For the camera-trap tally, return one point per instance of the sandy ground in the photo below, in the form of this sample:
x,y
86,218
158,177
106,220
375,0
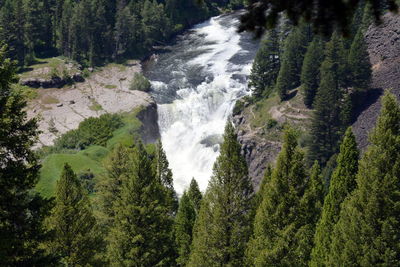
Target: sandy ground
x,y
105,91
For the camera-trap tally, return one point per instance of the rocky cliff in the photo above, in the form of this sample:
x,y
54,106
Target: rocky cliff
x,y
260,149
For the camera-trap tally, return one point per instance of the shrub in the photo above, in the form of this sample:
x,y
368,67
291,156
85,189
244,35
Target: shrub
x,y
140,83
91,131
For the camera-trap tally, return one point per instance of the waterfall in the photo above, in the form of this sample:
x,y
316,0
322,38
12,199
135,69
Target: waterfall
x,y
196,85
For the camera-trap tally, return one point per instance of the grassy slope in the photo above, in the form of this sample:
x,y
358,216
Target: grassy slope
x,y
89,158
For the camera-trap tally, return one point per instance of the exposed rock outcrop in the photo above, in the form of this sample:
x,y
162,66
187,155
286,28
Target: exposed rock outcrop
x,y
149,118
54,82
384,52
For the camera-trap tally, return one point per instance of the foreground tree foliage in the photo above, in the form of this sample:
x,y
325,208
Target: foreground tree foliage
x,y
223,225
283,219
74,236
341,185
21,210
141,233
324,16
367,233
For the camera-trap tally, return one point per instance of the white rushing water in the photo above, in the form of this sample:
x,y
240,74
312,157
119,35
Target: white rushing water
x,y
207,80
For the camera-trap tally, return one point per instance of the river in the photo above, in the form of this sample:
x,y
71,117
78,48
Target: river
x,y
196,83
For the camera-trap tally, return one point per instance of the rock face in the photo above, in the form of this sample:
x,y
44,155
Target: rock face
x,y
61,110
256,150
55,82
384,52
149,118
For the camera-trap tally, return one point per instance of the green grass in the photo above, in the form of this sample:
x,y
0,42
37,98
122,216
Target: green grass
x,y
47,100
126,134
53,164
110,86
89,158
52,64
27,92
95,106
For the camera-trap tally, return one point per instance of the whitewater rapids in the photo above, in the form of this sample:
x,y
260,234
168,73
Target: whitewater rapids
x,y
196,84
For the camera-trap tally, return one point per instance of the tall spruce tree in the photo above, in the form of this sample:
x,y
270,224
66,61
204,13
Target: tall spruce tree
x,y
21,210
310,72
223,225
71,223
266,65
326,126
359,63
194,194
278,219
183,228
164,175
141,234
368,232
342,184
292,60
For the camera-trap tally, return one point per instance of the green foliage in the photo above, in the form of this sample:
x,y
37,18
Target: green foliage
x,y
71,224
21,210
292,60
223,225
183,228
280,222
359,63
91,131
140,83
142,226
310,75
194,194
327,126
266,66
341,185
368,228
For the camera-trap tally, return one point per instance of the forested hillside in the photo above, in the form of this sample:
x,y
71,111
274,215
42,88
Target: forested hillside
x,y
94,31
321,202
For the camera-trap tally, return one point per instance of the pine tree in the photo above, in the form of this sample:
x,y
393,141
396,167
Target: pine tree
x,y
194,194
71,223
326,126
21,210
359,64
265,66
292,60
109,185
341,185
141,234
223,225
184,223
367,233
310,75
164,175
277,222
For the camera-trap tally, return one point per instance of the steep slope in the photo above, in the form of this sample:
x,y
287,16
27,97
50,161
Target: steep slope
x,y
259,124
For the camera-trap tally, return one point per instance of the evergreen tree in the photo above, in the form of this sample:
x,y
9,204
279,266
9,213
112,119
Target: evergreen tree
x,y
266,65
21,210
326,126
154,22
164,175
341,185
292,60
71,223
223,225
359,64
367,233
184,223
141,234
108,187
310,75
278,220
195,195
